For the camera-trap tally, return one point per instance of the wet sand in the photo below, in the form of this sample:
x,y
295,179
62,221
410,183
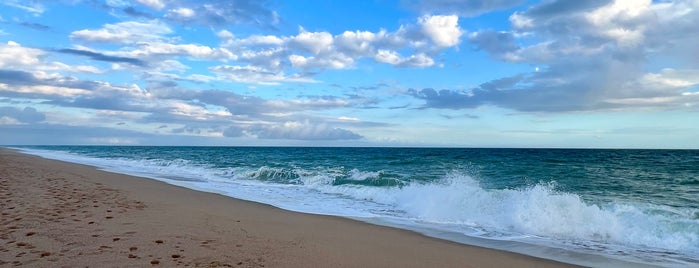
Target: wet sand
x,y
58,214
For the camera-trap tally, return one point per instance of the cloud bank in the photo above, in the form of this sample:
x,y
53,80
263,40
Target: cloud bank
x,y
590,55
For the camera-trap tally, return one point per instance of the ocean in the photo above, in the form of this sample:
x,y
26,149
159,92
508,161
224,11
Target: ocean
x,y
600,208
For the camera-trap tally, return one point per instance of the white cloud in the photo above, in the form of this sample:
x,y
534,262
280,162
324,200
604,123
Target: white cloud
x,y
59,66
417,43
128,32
30,6
392,57
255,75
154,4
388,56
61,91
14,55
347,118
6,120
622,21
357,43
156,49
335,61
444,31
182,13
313,42
225,34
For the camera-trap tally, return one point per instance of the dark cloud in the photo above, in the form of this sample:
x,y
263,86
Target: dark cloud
x,y
36,26
26,115
586,59
22,78
131,11
190,109
101,57
13,77
464,8
494,42
55,134
584,85
233,131
549,9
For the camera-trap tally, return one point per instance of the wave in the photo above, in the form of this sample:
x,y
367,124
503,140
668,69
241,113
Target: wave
x,y
457,201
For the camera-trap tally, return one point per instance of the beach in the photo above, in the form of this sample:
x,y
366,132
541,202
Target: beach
x,y
59,214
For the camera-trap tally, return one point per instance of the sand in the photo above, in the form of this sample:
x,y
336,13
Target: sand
x,y
58,214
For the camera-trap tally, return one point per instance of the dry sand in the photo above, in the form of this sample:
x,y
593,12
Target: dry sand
x,y
58,214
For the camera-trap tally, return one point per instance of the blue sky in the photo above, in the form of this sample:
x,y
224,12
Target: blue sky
x,y
502,73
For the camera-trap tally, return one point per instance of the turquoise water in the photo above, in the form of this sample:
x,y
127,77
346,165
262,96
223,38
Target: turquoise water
x,y
637,206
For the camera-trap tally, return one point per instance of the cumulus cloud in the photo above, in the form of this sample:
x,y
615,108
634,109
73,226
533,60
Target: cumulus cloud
x,y
269,59
444,31
322,50
592,55
15,55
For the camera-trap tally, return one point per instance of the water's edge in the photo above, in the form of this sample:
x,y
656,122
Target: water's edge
x,y
534,250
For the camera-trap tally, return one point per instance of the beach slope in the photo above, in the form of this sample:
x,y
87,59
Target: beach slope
x,y
57,214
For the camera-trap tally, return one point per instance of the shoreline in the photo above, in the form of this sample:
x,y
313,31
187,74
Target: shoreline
x,y
57,213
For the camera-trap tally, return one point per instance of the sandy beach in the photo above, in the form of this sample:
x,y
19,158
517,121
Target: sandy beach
x,y
58,214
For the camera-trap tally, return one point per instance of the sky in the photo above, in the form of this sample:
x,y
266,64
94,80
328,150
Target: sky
x,y
454,73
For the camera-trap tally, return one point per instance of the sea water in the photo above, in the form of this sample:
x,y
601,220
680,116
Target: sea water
x,y
590,207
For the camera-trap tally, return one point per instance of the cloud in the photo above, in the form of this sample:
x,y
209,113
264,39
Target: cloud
x,y
393,58
500,44
44,86
30,6
255,75
36,26
154,4
181,14
128,32
268,59
222,13
294,130
102,57
15,55
131,11
444,31
16,115
59,134
591,55
322,50
193,112
464,8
